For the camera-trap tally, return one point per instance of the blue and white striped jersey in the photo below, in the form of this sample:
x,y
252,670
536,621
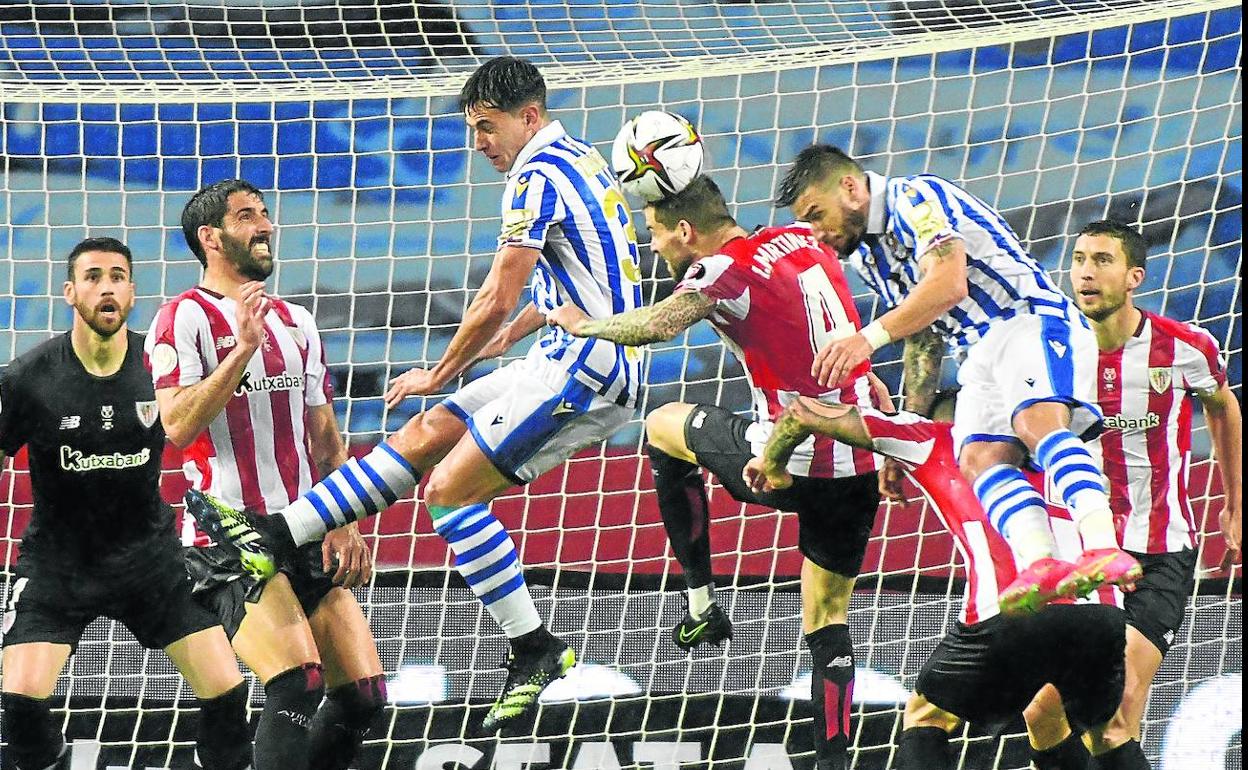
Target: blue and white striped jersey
x,y
909,215
562,198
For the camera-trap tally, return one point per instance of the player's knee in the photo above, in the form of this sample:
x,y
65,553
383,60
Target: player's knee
x,y
426,438
439,490
224,742
920,712
30,731
1046,719
665,428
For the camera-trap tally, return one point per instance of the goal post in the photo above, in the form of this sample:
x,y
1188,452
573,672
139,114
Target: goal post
x,y
1057,113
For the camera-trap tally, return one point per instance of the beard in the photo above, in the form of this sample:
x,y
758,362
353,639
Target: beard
x,y
855,227
103,324
244,259
1104,309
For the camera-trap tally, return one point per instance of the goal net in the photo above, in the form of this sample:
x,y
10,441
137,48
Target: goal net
x,y
1058,112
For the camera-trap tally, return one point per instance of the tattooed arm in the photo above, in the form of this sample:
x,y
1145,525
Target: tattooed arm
x,y
655,323
921,370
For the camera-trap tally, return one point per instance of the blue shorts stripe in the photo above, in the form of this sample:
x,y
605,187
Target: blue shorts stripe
x,y
379,483
319,504
502,591
370,506
1056,337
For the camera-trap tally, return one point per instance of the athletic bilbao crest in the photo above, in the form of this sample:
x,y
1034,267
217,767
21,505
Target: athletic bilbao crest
x,y
1159,378
148,411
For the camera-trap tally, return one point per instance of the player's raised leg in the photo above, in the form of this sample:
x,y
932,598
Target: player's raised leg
x,y
458,497
681,492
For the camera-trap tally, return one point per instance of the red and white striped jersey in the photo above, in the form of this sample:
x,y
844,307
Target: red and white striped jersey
x,y
925,450
254,454
782,296
1147,442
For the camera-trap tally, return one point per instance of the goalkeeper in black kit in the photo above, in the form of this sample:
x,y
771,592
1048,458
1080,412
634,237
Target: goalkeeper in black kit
x,y
101,541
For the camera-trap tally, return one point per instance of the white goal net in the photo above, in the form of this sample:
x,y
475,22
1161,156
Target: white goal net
x,y
1056,111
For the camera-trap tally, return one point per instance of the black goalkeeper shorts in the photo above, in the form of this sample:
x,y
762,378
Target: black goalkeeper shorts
x,y
53,603
988,673
835,516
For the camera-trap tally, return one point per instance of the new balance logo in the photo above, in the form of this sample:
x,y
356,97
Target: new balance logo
x,y
1058,348
71,422
1169,637
226,341
842,662
698,419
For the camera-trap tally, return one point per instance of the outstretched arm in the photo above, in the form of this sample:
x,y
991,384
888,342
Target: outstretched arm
x,y
942,286
490,308
654,323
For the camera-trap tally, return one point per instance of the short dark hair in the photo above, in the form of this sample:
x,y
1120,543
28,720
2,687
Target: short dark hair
x,y
817,163
208,207
701,204
110,245
505,83
1132,240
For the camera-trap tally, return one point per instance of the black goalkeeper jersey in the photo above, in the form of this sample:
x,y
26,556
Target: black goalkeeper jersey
x,y
95,456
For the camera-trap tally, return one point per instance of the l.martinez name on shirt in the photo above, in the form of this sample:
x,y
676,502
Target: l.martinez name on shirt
x,y
281,381
73,460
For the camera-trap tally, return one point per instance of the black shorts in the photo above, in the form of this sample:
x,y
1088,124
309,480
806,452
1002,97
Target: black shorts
x,y
988,673
225,591
835,516
1157,606
49,603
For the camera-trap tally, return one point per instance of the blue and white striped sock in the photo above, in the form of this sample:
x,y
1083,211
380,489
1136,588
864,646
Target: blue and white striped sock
x,y
1077,478
357,489
1017,511
486,558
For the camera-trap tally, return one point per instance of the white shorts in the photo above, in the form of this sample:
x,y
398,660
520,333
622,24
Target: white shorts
x,y
529,417
1022,361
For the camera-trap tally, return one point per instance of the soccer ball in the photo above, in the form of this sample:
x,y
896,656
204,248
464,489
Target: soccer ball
x,y
656,154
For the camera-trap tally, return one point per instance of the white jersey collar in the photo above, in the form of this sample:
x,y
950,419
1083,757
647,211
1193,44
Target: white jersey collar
x,y
546,136
877,185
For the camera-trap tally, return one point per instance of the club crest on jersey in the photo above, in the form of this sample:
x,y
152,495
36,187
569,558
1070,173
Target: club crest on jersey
x,y
1159,378
147,411
1109,375
107,413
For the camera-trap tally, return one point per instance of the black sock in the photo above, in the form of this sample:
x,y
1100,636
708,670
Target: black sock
x,y
923,748
224,739
275,533
343,720
1070,754
832,692
1128,756
33,738
686,516
536,642
290,700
